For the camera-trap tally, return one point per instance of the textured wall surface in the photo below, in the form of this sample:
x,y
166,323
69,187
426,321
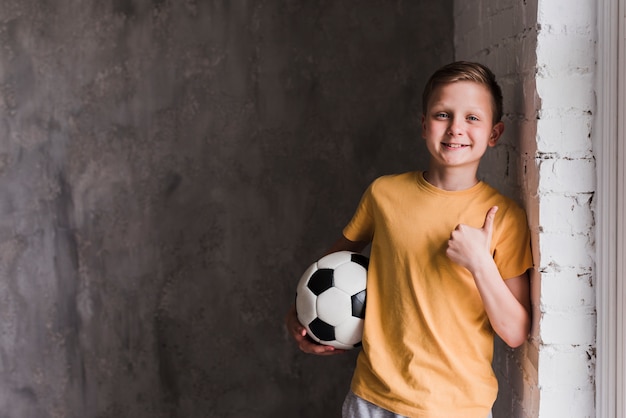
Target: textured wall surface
x,y
167,171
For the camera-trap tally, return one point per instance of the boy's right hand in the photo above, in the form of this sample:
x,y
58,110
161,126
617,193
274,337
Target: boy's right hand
x,y
305,343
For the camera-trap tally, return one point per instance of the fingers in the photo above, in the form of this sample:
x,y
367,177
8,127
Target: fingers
x,y
491,214
305,343
468,244
488,225
309,346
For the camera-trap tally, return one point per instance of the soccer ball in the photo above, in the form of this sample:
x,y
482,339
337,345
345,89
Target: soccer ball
x,y
330,299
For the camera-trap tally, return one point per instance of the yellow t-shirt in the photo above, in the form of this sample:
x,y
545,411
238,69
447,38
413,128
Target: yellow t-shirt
x,y
428,344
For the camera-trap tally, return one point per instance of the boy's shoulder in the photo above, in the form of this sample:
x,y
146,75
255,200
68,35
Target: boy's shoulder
x,y
394,181
406,177
496,192
507,207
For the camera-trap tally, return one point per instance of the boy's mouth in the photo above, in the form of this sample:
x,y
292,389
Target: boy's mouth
x,y
454,146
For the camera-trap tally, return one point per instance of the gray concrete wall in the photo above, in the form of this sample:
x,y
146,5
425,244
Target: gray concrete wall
x,y
167,171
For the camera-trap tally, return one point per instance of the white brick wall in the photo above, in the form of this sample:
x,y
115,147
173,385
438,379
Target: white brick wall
x,y
543,52
565,85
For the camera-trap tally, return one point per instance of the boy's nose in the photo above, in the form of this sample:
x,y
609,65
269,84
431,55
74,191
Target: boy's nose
x,y
455,128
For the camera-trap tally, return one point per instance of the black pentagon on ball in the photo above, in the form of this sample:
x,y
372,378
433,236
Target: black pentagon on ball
x,y
320,281
358,304
360,259
322,330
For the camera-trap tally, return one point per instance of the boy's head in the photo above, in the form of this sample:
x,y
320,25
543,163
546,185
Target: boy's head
x,y
465,71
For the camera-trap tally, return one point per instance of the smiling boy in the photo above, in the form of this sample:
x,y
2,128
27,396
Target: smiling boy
x,y
448,266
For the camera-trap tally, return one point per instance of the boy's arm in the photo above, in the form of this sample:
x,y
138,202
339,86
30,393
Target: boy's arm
x,y
520,288
296,330
507,302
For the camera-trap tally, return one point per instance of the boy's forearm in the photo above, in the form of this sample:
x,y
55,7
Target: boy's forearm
x,y
506,302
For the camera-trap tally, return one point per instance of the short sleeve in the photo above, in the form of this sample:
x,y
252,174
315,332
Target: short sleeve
x,y
361,226
512,252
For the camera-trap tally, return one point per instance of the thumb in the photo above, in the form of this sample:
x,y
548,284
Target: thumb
x,y
488,225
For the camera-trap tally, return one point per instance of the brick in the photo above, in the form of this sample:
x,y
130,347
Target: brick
x,y
567,133
567,367
567,13
578,57
566,214
579,88
567,403
574,327
568,289
563,251
566,176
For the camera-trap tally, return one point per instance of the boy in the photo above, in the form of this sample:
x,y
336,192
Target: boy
x,y
448,266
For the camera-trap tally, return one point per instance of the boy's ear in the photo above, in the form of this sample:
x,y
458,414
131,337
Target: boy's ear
x,y
496,133
423,125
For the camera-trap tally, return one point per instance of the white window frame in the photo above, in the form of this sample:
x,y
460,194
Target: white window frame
x,y
610,151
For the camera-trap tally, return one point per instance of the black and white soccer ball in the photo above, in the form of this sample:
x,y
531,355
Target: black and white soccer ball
x,y
330,299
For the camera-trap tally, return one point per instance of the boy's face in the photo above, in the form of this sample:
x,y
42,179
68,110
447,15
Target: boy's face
x,y
458,125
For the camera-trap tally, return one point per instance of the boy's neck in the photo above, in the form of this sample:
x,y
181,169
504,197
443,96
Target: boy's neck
x,y
451,181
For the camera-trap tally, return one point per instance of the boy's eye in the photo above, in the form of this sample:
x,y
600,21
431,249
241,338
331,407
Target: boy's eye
x,y
472,118
441,115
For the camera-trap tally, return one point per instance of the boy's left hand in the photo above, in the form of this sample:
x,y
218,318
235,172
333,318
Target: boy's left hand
x,y
468,246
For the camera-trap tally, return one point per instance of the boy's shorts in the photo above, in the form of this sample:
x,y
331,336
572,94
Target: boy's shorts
x,y
356,407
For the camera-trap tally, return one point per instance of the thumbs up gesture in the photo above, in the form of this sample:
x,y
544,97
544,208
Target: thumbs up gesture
x,y
468,246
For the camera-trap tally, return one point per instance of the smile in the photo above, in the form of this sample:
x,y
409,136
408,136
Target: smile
x,y
454,146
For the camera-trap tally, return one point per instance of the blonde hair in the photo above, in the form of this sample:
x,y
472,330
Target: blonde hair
x,y
465,71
